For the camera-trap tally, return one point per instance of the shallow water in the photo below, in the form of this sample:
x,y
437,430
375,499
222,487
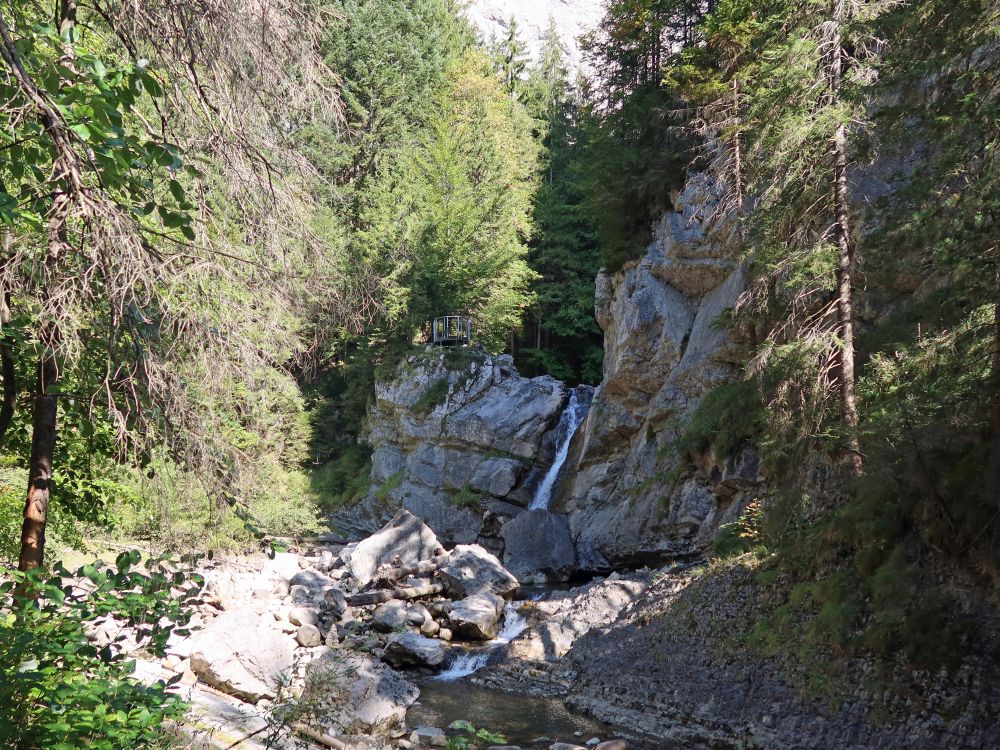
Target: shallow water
x,y
475,659
521,718
526,720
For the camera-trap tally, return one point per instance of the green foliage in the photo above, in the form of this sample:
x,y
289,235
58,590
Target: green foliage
x,y
450,223
61,692
744,535
465,498
434,396
472,737
560,335
344,480
392,482
637,149
636,157
729,417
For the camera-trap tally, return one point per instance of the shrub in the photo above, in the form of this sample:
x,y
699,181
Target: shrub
x,y
465,498
59,691
727,417
435,394
345,479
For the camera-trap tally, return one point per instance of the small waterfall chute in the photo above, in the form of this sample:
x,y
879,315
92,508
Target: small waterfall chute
x,y
468,663
569,421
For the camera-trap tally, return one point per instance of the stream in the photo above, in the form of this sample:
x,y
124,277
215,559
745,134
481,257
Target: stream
x,y
525,720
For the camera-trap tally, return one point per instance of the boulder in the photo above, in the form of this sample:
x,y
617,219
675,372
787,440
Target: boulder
x,y
497,476
281,567
413,650
304,616
470,570
237,654
312,580
429,736
561,621
335,602
477,617
405,537
538,547
308,636
391,616
355,694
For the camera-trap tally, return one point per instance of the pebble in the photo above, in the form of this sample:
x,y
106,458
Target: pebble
x,y
613,745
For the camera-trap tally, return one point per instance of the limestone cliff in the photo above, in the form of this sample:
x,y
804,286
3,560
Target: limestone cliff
x,y
457,438
663,353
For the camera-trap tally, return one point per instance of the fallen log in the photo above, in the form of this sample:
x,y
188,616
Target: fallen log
x,y
418,569
380,597
323,739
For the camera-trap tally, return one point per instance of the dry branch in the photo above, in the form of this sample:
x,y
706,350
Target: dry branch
x,y
380,597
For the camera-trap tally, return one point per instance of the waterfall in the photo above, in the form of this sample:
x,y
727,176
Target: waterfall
x,y
467,663
571,418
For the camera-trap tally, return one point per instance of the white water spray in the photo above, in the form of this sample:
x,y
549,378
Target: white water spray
x,y
513,625
570,420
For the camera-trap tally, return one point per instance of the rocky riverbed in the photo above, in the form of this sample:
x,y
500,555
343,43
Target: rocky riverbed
x,y
327,646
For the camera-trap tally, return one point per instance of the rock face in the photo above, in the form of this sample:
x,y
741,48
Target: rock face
x,y
663,353
456,436
239,655
666,665
538,547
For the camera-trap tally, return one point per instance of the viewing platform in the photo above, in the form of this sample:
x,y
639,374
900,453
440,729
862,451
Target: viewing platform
x,y
451,330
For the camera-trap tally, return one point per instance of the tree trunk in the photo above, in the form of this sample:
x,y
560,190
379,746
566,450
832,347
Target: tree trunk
x,y
43,443
43,428
7,369
845,253
995,373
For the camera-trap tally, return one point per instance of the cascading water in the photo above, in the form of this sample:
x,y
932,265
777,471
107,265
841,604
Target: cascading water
x,y
464,665
570,420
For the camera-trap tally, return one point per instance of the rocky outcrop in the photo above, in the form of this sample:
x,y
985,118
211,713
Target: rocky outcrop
x,y
404,537
457,436
663,354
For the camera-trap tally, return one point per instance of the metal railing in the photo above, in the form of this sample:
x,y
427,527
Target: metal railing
x,y
451,329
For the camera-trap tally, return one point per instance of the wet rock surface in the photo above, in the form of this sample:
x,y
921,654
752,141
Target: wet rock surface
x,y
538,547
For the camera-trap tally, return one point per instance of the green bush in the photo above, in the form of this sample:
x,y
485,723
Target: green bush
x,y
435,394
60,692
465,498
727,417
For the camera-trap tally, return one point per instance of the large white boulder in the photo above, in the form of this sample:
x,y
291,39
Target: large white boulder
x,y
240,655
355,694
405,537
477,617
470,569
